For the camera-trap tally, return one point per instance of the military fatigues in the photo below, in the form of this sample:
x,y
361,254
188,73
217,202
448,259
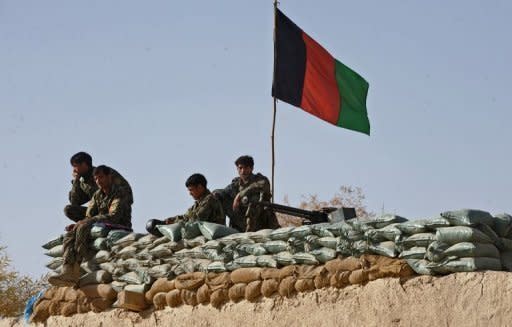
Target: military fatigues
x,y
207,208
82,191
114,207
248,217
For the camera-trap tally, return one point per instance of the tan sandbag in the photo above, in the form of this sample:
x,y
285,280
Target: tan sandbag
x,y
203,294
370,260
270,273
41,311
359,276
288,271
340,279
82,305
131,301
253,291
189,297
245,275
237,292
160,285
71,295
98,290
217,281
173,298
190,281
50,293
160,300
304,270
68,309
269,287
219,297
60,294
100,304
312,273
54,308
287,286
304,285
322,279
345,264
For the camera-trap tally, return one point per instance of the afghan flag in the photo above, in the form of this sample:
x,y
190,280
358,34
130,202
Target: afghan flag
x,y
308,77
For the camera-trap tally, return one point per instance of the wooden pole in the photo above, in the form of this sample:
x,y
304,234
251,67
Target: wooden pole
x,y
272,137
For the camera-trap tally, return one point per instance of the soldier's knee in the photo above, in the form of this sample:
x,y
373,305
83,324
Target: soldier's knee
x,y
68,210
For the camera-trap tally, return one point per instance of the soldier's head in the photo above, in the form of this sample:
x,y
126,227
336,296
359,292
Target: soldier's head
x,y
196,185
103,177
244,166
81,162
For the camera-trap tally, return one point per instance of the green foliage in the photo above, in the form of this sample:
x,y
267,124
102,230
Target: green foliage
x,y
15,290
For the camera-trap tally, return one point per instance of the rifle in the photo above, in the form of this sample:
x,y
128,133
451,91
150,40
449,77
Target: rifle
x,y
328,214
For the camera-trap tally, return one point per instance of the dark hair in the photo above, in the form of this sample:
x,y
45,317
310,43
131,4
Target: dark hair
x,y
102,169
80,157
196,179
245,161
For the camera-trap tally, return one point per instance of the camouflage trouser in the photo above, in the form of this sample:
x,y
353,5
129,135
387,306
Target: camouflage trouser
x,y
76,244
75,213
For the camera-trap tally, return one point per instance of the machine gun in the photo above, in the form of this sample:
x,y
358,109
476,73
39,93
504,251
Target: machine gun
x,y
329,214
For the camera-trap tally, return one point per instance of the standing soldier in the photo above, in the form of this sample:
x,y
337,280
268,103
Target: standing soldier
x,y
83,185
247,217
109,204
206,207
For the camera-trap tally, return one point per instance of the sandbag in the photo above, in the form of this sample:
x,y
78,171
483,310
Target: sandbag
x,y
254,249
89,266
214,231
275,246
196,241
328,242
161,285
172,231
128,239
56,251
190,281
100,304
304,285
467,249
217,281
506,260
55,263
412,227
421,239
435,251
102,256
339,279
261,236
190,229
288,271
160,300
54,242
503,224
301,231
384,248
41,311
189,297
466,265
321,230
269,287
160,271
287,286
99,290
433,224
266,261
203,294
281,233
99,231
458,234
245,275
161,251
468,217
416,252
115,235
285,258
345,264
237,292
68,309
173,298
305,258
96,277
219,297
71,295
137,288
247,261
359,276
253,291
384,220
322,279
55,307
131,278
388,233
216,266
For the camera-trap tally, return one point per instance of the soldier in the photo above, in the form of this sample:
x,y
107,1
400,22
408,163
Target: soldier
x,y
206,207
247,217
109,204
83,185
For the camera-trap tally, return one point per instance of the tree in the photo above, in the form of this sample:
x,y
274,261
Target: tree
x,y
15,290
347,196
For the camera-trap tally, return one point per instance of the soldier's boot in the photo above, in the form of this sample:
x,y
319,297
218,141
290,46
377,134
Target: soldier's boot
x,y
68,277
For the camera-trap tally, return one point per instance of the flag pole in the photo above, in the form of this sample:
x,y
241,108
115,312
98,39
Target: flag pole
x,y
275,103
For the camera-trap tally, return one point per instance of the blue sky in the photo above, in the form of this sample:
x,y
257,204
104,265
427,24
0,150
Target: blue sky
x,y
163,89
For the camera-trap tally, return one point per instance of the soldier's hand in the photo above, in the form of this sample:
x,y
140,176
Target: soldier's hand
x,y
170,220
69,228
76,176
236,202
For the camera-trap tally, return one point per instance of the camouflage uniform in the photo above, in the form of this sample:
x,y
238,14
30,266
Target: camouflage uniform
x,y
248,217
114,207
207,208
82,191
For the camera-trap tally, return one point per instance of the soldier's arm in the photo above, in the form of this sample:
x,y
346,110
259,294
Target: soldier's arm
x,y
228,191
92,209
116,210
262,185
77,196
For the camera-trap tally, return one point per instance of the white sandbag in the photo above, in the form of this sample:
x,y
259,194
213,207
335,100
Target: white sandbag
x,y
56,251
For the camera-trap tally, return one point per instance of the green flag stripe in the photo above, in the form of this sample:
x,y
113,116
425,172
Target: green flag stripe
x,y
353,91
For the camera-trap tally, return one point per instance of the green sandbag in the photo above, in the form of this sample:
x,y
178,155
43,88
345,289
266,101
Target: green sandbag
x,y
420,266
384,220
416,252
214,231
217,267
95,277
388,233
247,261
115,235
387,249
55,263
281,233
301,231
254,249
100,244
466,265
420,239
321,230
172,231
266,261
324,254
190,230
52,243
285,258
412,227
506,260
128,239
275,246
435,251
55,251
468,217
435,223
99,231
305,258
467,249
328,242
457,234
502,224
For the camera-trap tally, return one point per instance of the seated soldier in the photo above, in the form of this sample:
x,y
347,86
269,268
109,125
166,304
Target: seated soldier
x,y
83,186
205,208
247,216
109,204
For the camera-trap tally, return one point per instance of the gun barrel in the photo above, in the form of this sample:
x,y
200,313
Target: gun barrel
x,y
314,216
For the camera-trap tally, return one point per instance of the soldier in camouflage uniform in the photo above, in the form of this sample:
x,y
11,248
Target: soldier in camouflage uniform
x,y
83,186
205,208
247,217
109,204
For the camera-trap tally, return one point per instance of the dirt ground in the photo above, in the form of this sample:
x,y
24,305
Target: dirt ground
x,y
462,299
